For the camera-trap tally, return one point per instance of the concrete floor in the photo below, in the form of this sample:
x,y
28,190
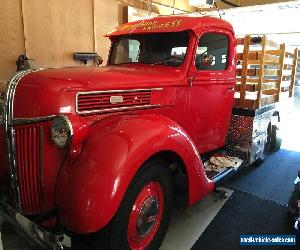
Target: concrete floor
x,y
195,219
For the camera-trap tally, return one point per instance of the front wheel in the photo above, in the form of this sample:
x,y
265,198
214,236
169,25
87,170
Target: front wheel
x,y
143,216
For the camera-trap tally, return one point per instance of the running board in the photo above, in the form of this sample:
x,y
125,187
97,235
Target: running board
x,y
220,167
221,177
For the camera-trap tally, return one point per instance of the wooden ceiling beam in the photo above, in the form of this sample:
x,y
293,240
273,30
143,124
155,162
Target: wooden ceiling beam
x,y
180,5
243,3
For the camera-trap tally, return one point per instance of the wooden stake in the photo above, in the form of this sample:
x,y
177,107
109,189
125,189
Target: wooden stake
x,y
244,71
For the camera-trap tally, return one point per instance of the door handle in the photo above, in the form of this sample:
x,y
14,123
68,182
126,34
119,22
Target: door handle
x,y
228,90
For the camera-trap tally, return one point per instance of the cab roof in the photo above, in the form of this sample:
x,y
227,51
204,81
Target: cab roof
x,y
174,23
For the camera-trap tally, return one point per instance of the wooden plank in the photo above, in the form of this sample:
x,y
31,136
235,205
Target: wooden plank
x,y
272,58
266,100
269,85
282,57
244,70
252,87
107,21
257,62
11,37
269,91
274,52
59,29
254,55
273,63
248,104
272,44
239,56
252,72
272,80
240,41
253,62
262,71
293,73
251,104
94,25
252,80
271,72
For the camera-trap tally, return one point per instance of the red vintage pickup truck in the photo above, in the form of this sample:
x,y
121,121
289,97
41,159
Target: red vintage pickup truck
x,y
103,154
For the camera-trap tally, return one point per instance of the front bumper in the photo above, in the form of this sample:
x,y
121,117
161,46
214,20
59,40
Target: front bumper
x,y
31,230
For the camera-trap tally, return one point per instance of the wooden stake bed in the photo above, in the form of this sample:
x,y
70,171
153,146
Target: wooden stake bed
x,y
265,72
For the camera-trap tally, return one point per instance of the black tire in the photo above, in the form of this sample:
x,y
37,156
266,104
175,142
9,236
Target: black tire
x,y
275,140
114,235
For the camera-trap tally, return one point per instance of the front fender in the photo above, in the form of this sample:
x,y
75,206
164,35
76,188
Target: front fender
x,y
90,190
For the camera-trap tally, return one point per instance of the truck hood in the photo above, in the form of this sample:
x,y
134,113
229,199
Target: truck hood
x,y
53,91
106,78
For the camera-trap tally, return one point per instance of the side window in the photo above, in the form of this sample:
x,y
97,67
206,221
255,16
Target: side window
x,y
212,52
127,51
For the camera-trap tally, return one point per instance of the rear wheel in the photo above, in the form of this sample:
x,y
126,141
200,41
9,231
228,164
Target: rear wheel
x,y
143,216
275,140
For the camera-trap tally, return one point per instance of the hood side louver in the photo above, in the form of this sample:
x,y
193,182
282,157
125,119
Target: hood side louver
x,y
113,101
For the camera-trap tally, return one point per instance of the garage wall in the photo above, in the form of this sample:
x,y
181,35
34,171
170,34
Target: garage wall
x,y
54,29
11,36
49,31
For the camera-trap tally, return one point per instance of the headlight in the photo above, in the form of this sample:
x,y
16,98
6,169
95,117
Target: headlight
x,y
61,131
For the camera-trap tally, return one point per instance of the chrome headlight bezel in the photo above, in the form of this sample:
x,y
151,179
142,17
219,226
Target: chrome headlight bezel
x,y
61,131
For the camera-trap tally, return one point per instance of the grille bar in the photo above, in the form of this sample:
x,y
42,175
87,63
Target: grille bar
x,y
28,162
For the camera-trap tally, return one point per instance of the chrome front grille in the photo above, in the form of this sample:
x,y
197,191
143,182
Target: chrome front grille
x,y
28,145
24,143
10,136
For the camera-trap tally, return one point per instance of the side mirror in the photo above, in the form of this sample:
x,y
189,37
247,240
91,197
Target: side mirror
x,y
86,56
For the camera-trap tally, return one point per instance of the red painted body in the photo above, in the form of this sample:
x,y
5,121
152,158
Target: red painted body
x,y
88,180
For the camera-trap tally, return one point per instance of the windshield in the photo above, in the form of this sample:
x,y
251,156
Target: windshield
x,y
155,48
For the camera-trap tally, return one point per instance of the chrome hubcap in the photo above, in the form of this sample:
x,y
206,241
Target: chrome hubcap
x,y
147,216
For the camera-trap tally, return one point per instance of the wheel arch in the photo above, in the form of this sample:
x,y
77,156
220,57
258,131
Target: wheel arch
x,y
91,190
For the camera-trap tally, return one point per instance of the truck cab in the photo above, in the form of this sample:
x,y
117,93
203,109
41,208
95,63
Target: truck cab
x,y
105,153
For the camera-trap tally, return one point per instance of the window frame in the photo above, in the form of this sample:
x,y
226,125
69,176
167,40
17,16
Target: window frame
x,y
134,36
229,52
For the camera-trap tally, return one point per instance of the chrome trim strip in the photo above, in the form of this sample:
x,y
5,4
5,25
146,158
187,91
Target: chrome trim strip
x,y
25,121
116,109
118,91
10,133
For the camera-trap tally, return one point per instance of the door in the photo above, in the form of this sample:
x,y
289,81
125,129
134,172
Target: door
x,y
211,93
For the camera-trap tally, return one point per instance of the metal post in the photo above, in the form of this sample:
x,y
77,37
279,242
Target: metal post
x,y
174,7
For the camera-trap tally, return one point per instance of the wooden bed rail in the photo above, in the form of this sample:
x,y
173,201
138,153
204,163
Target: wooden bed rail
x,y
265,72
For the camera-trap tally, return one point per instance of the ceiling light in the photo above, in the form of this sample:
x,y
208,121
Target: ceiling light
x,y
201,3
